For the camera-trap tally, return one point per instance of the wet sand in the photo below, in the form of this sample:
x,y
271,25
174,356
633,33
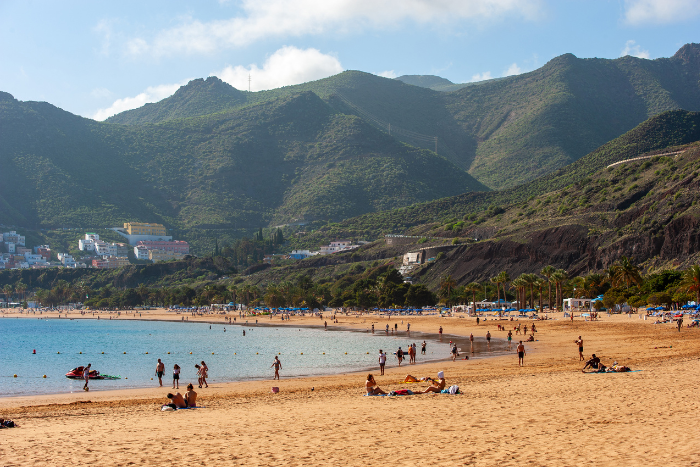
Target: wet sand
x,y
545,413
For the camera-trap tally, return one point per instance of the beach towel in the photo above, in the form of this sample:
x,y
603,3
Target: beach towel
x,y
454,389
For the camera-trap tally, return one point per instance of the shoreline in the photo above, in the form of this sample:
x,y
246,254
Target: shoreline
x,y
544,413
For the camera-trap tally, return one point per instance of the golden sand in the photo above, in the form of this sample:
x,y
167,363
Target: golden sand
x,y
545,413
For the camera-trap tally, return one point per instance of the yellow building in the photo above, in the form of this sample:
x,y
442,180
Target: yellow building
x,y
138,228
163,255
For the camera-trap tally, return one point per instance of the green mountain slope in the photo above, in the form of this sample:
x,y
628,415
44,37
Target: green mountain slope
x,y
436,83
199,97
506,131
219,175
657,135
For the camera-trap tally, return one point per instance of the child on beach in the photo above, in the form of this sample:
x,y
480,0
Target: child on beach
x,y
176,377
205,374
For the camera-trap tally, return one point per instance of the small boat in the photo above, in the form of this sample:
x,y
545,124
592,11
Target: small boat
x,y
77,373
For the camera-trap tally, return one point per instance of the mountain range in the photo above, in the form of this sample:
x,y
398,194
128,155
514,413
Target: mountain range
x,y
211,161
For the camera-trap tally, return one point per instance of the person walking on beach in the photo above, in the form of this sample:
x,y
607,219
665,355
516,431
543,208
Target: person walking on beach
x,y
521,354
387,329
372,328
86,375
205,374
277,364
399,355
471,342
422,349
488,338
160,370
510,338
440,332
680,324
176,376
454,351
382,362
579,341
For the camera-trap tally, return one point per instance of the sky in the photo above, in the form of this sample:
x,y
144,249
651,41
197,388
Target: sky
x,y
97,59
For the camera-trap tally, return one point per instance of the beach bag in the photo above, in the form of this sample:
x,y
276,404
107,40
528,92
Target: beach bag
x,y
454,389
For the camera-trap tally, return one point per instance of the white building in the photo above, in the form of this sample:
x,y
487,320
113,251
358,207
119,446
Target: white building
x,y
33,259
141,252
336,246
10,247
88,243
13,237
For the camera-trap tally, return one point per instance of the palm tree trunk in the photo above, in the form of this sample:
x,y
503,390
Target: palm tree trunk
x,y
549,284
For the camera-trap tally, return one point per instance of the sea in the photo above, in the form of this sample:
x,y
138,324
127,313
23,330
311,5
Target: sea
x,y
130,349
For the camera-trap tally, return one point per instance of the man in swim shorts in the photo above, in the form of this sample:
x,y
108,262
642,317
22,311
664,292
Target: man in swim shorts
x,y
422,349
579,341
399,355
160,370
521,354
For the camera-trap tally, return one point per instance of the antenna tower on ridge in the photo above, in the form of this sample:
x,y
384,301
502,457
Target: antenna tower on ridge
x,y
248,82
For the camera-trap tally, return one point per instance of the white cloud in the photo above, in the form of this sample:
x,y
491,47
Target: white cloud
x,y
633,49
284,18
514,69
104,28
660,11
387,74
288,65
151,94
482,76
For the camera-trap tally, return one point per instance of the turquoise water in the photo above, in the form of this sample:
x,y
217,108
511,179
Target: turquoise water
x,y
235,357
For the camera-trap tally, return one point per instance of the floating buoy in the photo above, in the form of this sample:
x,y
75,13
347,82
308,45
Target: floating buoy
x,y
151,379
124,353
146,353
190,353
58,352
168,353
256,353
15,376
233,353
302,353
346,353
103,353
126,377
367,353
212,353
44,376
324,353
80,353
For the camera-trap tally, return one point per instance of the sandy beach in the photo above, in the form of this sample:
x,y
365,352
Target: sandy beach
x,y
545,413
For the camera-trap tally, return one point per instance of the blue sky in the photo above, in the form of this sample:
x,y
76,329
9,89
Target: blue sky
x,y
99,58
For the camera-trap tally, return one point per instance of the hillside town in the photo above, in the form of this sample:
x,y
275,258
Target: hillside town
x,y
144,241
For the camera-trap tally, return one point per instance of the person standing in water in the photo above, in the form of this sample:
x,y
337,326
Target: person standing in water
x,y
277,364
382,361
86,375
471,342
422,349
160,370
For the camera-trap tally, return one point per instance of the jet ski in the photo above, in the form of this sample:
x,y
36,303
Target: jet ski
x,y
77,373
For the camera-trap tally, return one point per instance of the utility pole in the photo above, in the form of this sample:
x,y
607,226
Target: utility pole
x,y
390,129
248,82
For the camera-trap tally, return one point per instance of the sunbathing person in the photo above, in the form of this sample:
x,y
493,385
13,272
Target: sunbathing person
x,y
413,379
176,401
372,388
438,385
191,396
593,362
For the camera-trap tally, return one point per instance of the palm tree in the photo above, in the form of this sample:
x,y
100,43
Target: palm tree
x,y
539,284
559,277
627,272
691,281
20,287
446,287
547,272
473,288
505,278
8,289
530,280
518,284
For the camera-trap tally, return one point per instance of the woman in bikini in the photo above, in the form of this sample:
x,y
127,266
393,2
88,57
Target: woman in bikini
x,y
372,388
